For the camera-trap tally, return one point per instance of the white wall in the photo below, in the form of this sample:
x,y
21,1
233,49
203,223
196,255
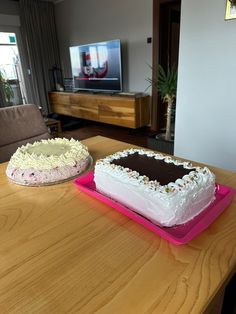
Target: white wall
x,y
87,21
9,13
206,97
8,20
9,7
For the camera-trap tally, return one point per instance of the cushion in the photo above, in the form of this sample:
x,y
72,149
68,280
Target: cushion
x,y
20,125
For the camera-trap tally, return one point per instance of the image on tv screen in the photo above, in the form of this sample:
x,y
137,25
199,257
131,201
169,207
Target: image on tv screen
x,y
97,66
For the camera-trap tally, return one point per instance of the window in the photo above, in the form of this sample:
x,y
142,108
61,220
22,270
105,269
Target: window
x,y
11,71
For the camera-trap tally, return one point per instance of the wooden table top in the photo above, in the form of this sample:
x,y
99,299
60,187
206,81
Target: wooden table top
x,y
61,251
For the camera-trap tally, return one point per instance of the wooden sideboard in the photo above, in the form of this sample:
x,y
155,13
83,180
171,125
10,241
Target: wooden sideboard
x,y
129,111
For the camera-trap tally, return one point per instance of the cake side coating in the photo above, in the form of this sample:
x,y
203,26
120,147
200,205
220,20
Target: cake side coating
x,y
169,204
47,161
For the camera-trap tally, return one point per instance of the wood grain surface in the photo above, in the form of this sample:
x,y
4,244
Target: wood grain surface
x,y
61,251
127,111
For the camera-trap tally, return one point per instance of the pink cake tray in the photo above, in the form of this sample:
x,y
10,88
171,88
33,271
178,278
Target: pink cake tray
x,y
177,235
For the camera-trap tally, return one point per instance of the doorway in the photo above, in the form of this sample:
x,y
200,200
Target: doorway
x,y
11,75
166,31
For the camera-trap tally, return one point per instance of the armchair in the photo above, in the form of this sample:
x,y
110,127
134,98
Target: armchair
x,y
20,125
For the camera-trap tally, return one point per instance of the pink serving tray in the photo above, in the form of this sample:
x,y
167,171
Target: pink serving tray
x,y
177,235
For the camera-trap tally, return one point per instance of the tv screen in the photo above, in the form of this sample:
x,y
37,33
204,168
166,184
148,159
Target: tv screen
x,y
97,66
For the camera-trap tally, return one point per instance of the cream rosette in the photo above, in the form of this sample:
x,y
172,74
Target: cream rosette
x,y
49,154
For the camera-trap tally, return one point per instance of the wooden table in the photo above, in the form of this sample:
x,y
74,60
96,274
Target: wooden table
x,y
61,251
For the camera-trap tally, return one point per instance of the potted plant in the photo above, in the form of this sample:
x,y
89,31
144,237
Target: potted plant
x,y
232,2
6,87
166,84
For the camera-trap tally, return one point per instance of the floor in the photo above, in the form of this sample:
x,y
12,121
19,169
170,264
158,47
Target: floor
x,y
86,129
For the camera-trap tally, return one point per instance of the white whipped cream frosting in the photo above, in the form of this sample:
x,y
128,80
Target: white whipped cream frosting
x,y
170,204
49,154
196,176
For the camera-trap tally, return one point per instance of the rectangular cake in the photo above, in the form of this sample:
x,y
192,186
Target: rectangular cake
x,y
165,190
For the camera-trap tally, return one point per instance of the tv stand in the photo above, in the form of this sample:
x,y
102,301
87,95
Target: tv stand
x,y
130,110
96,92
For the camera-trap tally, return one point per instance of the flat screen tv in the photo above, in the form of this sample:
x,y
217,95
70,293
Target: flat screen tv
x,y
97,67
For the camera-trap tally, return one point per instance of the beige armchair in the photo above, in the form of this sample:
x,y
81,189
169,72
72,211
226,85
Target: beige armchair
x,y
20,125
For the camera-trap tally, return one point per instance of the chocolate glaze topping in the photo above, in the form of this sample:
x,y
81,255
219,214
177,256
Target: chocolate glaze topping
x,y
153,168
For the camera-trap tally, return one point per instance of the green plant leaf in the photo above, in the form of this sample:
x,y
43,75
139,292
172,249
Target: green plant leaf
x,y
7,88
164,82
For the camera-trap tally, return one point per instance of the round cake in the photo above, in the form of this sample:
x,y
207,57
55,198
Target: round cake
x,y
48,161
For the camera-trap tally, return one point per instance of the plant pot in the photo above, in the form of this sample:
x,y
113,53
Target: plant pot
x,y
158,142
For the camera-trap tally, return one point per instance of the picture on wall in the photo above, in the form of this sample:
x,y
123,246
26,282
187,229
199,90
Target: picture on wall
x,y
230,10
